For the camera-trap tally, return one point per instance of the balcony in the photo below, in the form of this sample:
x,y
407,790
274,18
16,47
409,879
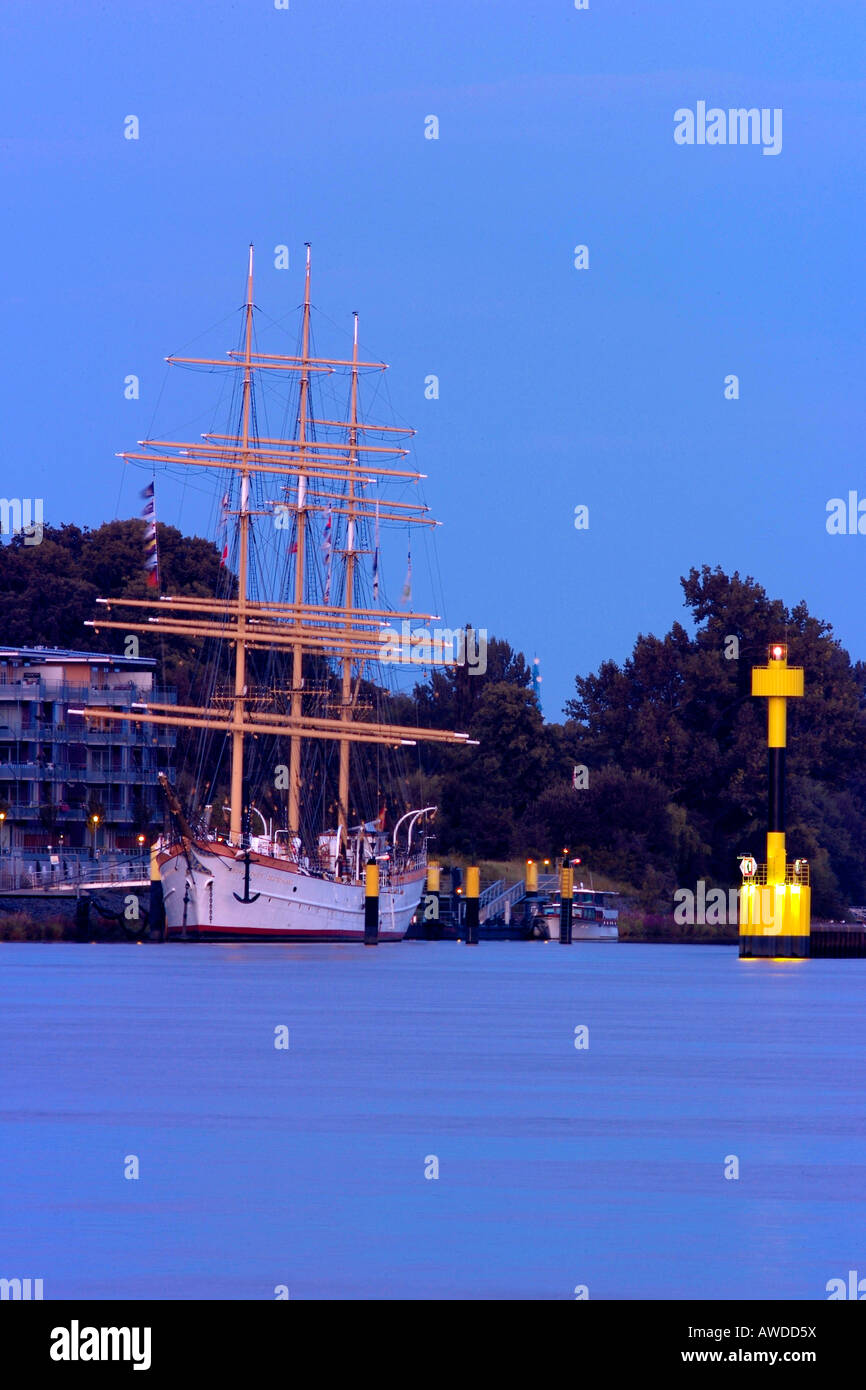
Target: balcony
x,y
137,735
63,772
112,810
84,694
122,777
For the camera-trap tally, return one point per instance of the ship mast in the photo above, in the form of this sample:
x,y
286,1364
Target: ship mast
x,y
349,599
300,537
237,766
326,475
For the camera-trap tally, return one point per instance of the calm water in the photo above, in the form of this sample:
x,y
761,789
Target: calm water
x,y
557,1166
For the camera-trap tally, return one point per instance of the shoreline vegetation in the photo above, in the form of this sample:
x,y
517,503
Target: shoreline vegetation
x,y
654,927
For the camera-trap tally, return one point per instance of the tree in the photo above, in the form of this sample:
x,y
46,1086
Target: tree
x,y
621,825
484,791
680,710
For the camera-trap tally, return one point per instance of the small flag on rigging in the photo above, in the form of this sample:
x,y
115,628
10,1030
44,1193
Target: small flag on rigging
x,y
327,549
151,554
407,586
376,558
224,522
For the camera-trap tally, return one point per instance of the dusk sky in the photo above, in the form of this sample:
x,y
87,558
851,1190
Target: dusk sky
x,y
558,387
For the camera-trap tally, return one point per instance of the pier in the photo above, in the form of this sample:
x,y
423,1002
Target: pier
x,y
106,899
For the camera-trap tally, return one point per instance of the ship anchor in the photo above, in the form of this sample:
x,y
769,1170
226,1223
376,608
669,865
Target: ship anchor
x,y
247,897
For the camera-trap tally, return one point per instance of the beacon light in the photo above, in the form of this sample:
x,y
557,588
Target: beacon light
x,y
777,682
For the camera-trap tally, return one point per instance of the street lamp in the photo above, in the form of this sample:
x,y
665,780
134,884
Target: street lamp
x,y
94,825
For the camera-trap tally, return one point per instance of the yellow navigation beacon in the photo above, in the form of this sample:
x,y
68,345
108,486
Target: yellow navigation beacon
x,y
775,899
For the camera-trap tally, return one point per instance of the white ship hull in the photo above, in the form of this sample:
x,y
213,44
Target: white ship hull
x,y
208,893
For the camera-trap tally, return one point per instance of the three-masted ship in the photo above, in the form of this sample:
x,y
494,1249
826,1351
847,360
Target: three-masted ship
x,y
313,643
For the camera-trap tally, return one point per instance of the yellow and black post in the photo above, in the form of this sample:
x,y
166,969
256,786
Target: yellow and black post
x,y
156,913
530,890
430,902
566,904
775,899
473,882
371,905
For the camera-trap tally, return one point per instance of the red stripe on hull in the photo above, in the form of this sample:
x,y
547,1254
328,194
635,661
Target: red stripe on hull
x,y
263,934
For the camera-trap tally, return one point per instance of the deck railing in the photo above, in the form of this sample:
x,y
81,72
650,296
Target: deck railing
x,y
796,873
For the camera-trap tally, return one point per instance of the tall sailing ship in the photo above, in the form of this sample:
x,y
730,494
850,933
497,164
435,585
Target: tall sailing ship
x,y
294,654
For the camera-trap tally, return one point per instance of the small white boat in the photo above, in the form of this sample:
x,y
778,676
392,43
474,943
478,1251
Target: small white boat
x,y
594,917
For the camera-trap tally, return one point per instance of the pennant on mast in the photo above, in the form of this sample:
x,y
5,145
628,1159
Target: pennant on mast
x,y
151,550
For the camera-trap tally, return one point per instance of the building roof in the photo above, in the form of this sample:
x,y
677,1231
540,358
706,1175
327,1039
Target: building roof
x,y
58,656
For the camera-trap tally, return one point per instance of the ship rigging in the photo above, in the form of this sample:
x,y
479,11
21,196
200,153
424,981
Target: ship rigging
x,y
321,639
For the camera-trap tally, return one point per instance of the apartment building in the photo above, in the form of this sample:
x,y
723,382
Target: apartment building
x,y
70,785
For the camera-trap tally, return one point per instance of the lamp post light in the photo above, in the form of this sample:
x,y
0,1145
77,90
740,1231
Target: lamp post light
x,y
94,825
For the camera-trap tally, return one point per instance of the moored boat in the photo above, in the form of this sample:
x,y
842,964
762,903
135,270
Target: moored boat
x,y
594,916
292,653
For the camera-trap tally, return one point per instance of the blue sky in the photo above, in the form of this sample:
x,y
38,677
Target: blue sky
x,y
558,387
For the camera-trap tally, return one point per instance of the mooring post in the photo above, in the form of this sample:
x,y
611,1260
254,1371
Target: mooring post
x,y
473,882
566,904
156,914
775,899
531,889
82,913
371,905
430,904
